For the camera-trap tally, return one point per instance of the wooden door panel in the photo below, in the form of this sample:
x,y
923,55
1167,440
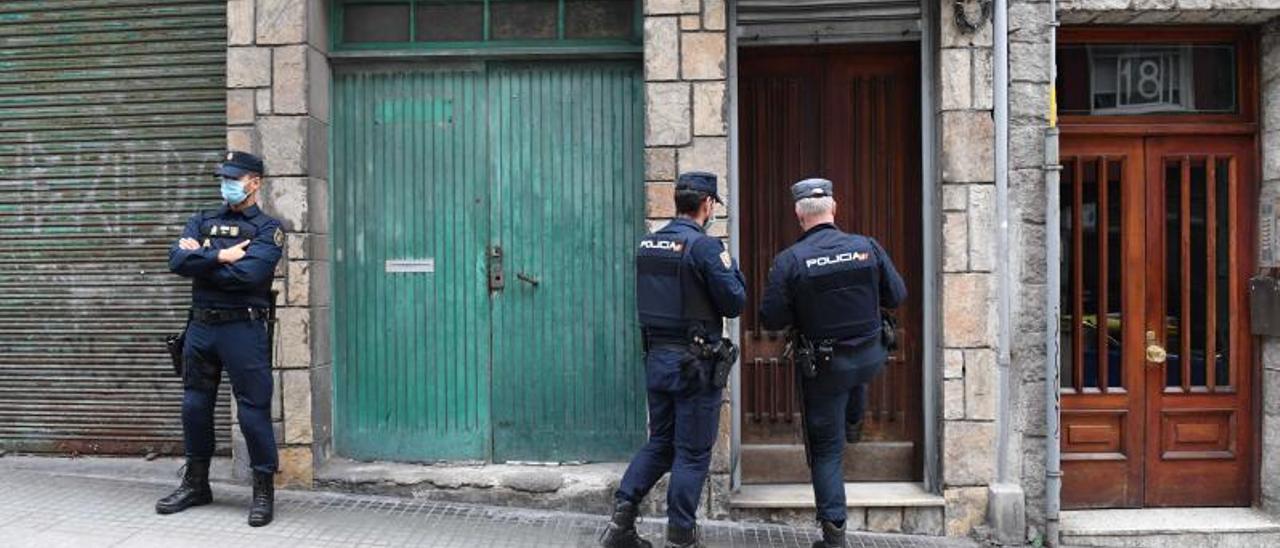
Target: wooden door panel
x,y
852,117
1102,312
1199,247
567,207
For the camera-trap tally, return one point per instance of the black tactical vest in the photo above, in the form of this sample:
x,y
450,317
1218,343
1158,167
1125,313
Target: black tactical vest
x,y
838,292
670,294
222,233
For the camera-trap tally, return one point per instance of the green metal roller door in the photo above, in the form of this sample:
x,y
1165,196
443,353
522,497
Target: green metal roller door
x,y
111,119
515,191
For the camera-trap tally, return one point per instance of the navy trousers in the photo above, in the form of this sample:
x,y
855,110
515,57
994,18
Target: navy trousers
x,y
684,417
826,408
241,348
857,404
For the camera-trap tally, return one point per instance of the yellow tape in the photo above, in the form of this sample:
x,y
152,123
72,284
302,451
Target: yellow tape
x,y
1053,106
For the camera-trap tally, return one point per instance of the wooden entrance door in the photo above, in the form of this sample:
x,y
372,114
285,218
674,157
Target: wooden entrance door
x,y
850,116
1156,356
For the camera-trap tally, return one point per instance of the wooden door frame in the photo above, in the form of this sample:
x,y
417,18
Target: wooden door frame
x,y
1242,123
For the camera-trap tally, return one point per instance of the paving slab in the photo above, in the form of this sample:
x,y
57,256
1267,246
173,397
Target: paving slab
x,y
58,507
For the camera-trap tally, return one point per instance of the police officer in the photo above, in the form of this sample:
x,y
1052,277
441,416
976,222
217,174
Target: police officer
x,y
830,287
686,283
230,255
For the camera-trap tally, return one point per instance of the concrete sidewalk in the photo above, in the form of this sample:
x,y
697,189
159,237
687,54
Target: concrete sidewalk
x,y
50,503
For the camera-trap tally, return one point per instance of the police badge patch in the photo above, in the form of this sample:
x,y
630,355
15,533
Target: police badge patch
x,y
279,237
726,259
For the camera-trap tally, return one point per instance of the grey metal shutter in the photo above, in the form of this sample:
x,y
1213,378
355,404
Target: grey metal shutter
x,y
827,21
112,115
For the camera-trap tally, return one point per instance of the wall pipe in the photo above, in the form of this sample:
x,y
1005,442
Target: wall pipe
x,y
1004,286
1053,297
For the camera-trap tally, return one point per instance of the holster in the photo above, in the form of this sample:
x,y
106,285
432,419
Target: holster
x,y
726,355
271,329
888,331
803,351
174,344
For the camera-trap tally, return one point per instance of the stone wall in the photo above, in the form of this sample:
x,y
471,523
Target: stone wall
x,y
1269,347
1030,59
278,108
967,170
1165,12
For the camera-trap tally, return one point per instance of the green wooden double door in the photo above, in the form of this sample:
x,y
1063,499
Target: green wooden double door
x,y
484,216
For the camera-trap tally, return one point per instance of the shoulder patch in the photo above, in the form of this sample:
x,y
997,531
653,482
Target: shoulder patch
x,y
726,259
279,237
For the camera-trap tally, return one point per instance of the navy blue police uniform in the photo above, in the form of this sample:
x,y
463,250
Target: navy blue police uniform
x,y
228,329
686,284
830,286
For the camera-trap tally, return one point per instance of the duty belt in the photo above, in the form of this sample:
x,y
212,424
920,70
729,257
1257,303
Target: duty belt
x,y
653,341
226,315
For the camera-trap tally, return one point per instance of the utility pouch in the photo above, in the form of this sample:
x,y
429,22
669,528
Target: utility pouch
x,y
824,353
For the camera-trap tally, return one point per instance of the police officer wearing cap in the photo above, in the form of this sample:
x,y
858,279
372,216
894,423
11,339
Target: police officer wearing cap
x,y
686,283
230,254
830,287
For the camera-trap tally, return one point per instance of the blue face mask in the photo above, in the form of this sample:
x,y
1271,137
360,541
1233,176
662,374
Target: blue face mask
x,y
233,191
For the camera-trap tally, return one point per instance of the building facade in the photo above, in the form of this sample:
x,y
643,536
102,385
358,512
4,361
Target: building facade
x,y
461,180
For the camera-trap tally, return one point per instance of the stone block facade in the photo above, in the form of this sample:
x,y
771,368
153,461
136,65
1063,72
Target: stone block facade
x,y
686,97
277,107
967,297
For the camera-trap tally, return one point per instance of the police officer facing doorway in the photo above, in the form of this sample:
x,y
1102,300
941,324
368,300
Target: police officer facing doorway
x,y
686,284
230,254
829,288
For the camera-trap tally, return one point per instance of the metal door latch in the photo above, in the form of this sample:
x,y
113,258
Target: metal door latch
x,y
527,279
496,281
1156,354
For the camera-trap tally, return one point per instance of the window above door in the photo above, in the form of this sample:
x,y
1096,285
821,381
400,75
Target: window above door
x,y
1131,80
484,27
1118,79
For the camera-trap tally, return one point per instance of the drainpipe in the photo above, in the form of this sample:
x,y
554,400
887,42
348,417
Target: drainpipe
x,y
1007,500
1053,297
1000,62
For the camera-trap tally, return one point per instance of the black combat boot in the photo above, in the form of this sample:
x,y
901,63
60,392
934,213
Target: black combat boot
x,y
682,538
621,532
194,490
853,432
832,536
264,494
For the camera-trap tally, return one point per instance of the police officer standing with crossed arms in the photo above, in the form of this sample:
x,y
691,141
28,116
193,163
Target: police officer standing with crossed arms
x,y
829,288
230,254
686,283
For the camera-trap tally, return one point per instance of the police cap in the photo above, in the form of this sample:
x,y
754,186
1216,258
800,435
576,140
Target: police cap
x,y
700,181
236,164
811,188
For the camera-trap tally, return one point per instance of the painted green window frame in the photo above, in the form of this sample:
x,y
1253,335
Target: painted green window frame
x,y
560,44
